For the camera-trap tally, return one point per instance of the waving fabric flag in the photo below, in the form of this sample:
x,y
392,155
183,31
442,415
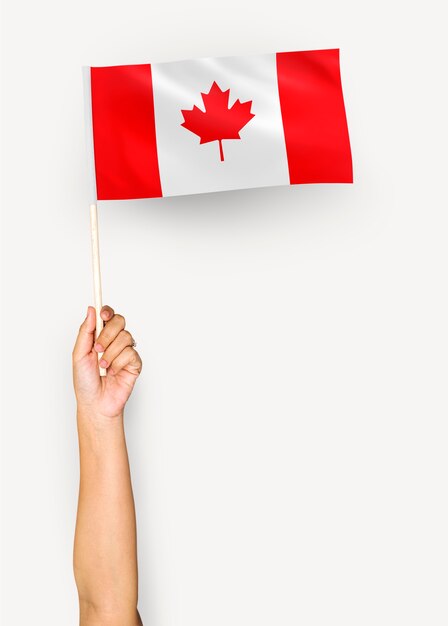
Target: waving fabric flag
x,y
167,129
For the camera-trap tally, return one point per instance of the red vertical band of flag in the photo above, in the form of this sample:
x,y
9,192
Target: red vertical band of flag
x,y
124,133
314,121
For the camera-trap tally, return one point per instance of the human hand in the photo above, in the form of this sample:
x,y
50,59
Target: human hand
x,y
104,396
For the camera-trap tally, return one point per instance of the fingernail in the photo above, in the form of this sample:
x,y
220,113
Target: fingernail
x,y
103,363
98,347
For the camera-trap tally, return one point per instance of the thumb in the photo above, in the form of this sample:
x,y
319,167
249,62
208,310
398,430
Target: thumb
x,y
84,341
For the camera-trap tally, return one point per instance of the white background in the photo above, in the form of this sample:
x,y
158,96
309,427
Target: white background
x,y
288,436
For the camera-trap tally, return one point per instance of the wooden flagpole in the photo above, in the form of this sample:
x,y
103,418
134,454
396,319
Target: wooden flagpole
x,y
96,274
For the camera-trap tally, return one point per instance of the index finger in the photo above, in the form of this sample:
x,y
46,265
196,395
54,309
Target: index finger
x,y
107,313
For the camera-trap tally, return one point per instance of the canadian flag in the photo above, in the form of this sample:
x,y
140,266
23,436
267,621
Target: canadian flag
x,y
213,124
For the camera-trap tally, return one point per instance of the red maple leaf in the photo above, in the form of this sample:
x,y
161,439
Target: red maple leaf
x,y
217,122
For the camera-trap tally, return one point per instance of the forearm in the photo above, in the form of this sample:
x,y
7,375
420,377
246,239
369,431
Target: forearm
x,y
105,556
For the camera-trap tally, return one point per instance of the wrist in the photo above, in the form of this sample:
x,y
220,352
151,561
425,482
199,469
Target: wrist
x,y
99,435
89,416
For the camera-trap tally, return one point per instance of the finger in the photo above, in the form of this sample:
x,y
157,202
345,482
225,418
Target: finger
x,y
123,339
107,313
109,333
84,341
128,359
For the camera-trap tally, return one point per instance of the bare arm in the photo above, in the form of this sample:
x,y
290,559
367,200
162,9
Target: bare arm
x,y
105,552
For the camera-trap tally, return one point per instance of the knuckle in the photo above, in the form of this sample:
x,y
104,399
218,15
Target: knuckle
x,y
137,359
126,335
120,319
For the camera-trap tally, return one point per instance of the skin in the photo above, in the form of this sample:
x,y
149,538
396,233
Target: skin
x,y
105,550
